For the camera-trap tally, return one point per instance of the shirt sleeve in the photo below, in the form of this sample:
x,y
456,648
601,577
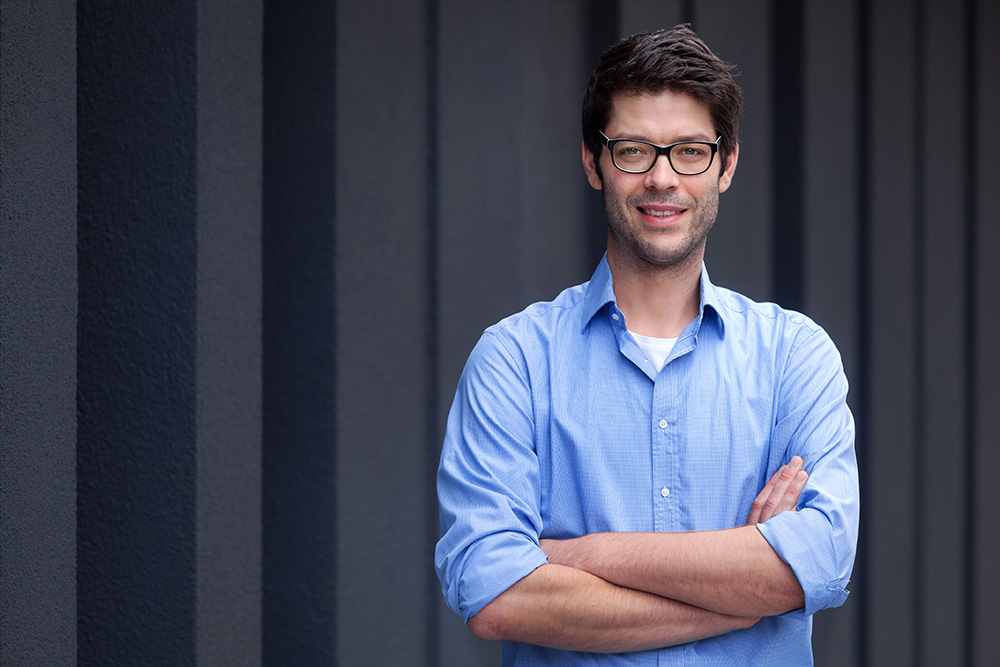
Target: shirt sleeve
x,y
813,420
488,482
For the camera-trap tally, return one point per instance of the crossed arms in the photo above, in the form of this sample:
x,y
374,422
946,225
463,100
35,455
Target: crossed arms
x,y
612,592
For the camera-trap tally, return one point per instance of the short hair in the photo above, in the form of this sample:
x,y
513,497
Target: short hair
x,y
674,60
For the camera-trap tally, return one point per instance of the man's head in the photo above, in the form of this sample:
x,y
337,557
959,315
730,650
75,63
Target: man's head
x,y
674,60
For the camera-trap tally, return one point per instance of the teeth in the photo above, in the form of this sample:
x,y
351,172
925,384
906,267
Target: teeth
x,y
660,214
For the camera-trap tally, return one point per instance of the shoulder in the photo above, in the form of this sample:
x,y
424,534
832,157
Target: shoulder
x,y
512,354
542,320
745,317
784,339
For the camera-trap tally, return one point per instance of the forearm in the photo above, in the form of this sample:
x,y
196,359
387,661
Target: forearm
x,y
731,571
570,609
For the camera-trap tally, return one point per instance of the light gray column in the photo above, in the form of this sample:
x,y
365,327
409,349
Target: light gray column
x,y
384,315
38,333
892,339
984,459
228,321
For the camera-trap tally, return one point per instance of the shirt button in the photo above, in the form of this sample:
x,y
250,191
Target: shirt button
x,y
663,423
664,492
615,317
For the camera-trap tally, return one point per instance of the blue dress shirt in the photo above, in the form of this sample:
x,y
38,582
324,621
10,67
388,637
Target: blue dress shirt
x,y
561,427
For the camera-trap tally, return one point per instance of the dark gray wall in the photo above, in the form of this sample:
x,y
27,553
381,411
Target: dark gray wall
x,y
300,443
245,249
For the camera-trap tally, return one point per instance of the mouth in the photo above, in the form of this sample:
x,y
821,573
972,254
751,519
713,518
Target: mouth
x,y
661,216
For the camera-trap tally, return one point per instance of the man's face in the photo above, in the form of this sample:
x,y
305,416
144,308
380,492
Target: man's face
x,y
659,218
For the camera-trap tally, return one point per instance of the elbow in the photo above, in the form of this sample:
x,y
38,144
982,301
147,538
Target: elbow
x,y
488,624
501,620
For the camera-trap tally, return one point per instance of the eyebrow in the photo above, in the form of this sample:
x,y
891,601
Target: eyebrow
x,y
681,139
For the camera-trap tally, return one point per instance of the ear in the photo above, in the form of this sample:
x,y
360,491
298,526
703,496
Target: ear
x,y
590,166
726,178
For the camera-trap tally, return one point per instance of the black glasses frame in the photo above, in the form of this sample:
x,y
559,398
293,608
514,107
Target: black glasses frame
x,y
662,150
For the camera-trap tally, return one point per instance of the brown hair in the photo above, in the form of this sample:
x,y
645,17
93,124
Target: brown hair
x,y
675,60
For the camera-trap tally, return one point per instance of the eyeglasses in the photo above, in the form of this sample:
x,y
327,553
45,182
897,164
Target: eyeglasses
x,y
688,158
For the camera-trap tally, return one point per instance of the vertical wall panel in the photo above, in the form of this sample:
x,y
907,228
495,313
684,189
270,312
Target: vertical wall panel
x,y
984,462
830,262
739,250
480,124
228,420
787,51
136,333
892,339
831,256
299,334
383,325
941,517
37,334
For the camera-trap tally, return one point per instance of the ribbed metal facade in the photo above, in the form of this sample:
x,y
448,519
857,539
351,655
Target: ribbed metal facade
x,y
246,247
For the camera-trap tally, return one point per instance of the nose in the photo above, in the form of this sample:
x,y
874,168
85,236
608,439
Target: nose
x,y
662,176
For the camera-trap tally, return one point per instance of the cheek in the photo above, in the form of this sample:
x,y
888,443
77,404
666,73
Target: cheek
x,y
707,191
613,195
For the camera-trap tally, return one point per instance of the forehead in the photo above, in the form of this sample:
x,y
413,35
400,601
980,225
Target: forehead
x,y
661,117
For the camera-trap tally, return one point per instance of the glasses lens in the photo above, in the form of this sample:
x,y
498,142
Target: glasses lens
x,y
633,155
691,158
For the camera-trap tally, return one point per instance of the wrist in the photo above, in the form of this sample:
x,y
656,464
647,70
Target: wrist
x,y
564,552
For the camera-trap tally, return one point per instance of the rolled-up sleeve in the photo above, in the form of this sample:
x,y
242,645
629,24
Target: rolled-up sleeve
x,y
813,420
488,482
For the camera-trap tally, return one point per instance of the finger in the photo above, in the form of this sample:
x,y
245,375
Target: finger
x,y
786,474
790,500
758,502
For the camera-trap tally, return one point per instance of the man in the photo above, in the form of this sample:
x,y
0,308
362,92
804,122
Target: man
x,y
651,469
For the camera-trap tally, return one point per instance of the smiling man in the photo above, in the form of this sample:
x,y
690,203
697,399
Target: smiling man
x,y
651,469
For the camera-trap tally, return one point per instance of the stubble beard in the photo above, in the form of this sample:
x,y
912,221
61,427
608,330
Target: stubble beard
x,y
686,243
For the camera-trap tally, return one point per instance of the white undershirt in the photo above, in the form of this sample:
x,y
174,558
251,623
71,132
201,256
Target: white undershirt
x,y
657,349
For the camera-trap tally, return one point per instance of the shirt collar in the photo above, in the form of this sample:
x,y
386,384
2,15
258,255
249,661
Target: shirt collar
x,y
600,292
710,298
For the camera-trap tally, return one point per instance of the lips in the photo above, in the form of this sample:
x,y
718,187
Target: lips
x,y
660,214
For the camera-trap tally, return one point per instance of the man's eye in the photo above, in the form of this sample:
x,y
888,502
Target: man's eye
x,y
631,151
690,154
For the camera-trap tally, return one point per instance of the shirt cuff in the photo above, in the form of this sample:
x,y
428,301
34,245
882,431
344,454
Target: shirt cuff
x,y
494,563
804,540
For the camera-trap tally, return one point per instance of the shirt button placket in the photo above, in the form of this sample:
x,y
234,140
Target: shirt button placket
x,y
663,424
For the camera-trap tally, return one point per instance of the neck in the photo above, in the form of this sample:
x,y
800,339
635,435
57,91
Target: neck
x,y
658,301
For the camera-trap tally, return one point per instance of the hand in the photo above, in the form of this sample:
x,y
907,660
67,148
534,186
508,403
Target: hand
x,y
781,493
